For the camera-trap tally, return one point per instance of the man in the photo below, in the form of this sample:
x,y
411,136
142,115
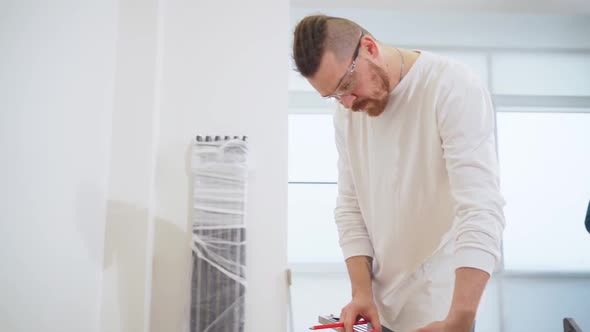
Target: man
x,y
419,209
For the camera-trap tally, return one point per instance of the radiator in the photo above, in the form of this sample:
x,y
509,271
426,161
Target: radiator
x,y
219,170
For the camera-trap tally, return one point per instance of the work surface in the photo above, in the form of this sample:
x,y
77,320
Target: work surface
x,y
569,324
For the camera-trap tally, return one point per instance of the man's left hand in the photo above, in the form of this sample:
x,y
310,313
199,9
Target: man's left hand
x,y
469,285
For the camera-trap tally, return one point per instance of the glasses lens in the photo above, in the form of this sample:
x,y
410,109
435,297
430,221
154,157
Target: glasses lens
x,y
347,85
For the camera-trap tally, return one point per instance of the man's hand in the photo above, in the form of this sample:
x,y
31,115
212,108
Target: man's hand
x,y
469,286
360,306
458,323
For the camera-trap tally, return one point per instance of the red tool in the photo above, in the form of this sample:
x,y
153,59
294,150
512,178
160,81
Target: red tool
x,y
336,325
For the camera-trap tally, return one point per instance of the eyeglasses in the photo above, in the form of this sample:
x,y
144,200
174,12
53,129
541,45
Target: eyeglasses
x,y
346,84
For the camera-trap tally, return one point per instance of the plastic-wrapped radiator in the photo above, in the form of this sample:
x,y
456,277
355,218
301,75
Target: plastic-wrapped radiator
x,y
219,170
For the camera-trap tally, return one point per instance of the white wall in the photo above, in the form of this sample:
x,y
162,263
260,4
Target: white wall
x,y
98,106
223,73
128,248
56,96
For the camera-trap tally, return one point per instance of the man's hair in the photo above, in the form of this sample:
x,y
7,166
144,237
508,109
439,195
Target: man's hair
x,y
316,34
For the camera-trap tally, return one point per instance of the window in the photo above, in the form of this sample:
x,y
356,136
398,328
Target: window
x,y
545,172
537,74
312,234
313,237
312,149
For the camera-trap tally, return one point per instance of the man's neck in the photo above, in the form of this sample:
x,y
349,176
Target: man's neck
x,y
393,61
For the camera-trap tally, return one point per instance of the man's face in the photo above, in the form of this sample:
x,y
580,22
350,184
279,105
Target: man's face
x,y
360,85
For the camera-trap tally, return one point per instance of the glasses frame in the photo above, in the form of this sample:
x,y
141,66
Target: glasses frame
x,y
348,73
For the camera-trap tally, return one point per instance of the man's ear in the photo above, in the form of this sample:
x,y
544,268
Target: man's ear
x,y
371,47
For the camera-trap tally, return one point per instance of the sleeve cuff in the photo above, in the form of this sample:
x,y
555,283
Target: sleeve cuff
x,y
475,258
357,247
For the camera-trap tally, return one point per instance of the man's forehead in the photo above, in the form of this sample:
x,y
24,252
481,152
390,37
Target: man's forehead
x,y
329,73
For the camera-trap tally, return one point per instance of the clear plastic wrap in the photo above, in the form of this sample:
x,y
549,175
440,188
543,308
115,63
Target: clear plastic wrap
x,y
219,167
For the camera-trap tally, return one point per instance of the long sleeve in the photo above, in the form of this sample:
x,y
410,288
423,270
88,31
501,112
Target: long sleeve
x,y
354,239
466,124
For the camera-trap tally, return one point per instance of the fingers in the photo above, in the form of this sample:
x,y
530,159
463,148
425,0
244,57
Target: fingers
x,y
342,317
373,318
350,315
348,318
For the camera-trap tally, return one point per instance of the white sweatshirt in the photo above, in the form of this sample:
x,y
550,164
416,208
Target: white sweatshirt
x,y
422,173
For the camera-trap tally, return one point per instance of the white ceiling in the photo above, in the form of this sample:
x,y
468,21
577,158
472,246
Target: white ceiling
x,y
575,7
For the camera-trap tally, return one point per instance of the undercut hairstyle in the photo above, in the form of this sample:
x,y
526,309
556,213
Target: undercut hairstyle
x,y
315,35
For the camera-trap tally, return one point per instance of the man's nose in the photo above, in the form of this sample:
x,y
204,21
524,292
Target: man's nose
x,y
347,101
